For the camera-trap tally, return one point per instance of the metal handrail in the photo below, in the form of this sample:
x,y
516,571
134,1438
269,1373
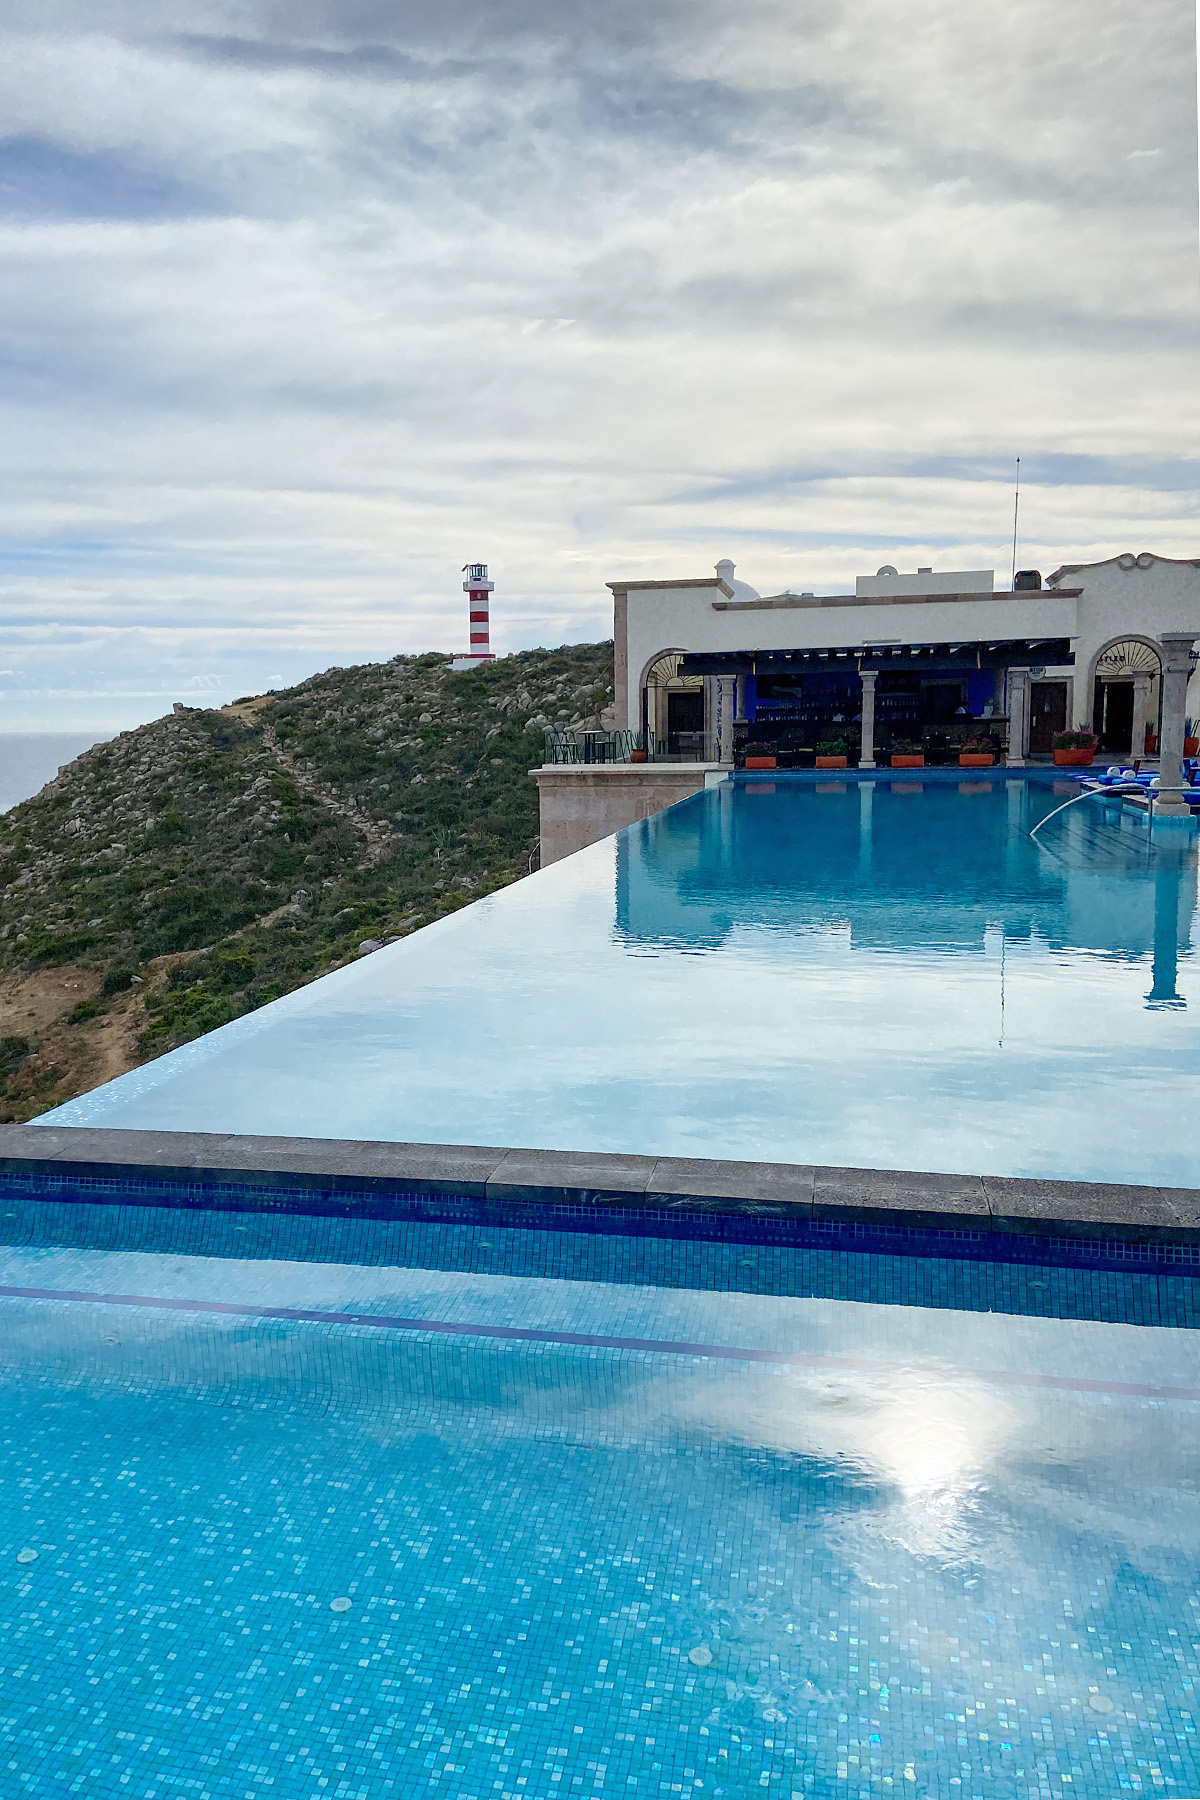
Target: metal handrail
x,y
1150,795
575,745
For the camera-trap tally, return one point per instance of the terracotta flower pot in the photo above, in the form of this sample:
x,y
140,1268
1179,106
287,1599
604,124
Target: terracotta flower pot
x,y
975,759
760,762
1075,759
1191,746
905,761
830,762
639,756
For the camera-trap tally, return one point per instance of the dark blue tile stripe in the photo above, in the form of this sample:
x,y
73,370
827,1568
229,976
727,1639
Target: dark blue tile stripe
x,y
697,1222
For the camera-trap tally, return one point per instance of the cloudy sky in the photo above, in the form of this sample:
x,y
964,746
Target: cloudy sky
x,y
306,304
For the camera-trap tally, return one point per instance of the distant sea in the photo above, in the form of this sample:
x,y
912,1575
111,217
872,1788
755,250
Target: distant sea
x,y
28,760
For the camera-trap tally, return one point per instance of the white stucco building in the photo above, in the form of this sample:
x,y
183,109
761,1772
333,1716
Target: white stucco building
x,y
1094,644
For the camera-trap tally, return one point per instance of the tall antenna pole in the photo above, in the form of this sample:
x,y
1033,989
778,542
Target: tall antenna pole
x,y
1016,512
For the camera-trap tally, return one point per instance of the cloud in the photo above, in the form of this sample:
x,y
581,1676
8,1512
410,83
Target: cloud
x,y
369,61
305,305
46,180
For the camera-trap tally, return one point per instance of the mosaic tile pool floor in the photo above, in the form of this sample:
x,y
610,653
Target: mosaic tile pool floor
x,y
720,1542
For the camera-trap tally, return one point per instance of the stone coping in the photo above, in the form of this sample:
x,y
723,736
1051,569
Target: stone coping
x,y
580,1180
883,772
662,771
647,771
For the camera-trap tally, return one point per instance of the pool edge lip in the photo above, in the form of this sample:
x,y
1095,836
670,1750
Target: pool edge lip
x,y
587,1180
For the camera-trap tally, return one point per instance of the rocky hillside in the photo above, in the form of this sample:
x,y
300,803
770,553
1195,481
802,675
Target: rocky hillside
x,y
195,868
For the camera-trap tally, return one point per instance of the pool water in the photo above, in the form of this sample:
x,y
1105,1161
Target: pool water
x,y
513,1513
892,974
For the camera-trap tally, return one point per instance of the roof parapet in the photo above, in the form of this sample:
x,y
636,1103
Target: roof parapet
x,y
697,581
1145,559
888,581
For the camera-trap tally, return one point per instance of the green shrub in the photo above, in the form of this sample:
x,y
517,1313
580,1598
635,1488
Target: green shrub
x,y
13,1052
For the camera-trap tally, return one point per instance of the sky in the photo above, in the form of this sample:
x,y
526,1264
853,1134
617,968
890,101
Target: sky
x,y
306,305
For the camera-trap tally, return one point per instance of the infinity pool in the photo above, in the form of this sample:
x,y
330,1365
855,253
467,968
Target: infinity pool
x,y
890,974
486,1513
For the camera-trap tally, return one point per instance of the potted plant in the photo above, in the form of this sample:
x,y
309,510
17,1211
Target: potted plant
x,y
1191,738
831,753
1074,749
761,756
977,753
906,755
638,752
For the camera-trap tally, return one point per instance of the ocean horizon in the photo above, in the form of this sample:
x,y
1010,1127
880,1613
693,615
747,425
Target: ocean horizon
x,y
29,759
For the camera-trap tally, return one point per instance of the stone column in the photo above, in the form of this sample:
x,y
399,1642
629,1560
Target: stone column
x,y
1176,647
1018,716
867,755
718,718
1141,693
739,717
727,692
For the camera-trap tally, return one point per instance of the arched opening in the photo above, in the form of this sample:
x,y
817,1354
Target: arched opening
x,y
1126,681
672,709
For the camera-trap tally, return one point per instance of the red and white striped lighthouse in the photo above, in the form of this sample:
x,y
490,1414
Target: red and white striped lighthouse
x,y
478,589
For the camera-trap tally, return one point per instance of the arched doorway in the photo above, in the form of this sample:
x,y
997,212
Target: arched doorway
x,y
673,708
1126,697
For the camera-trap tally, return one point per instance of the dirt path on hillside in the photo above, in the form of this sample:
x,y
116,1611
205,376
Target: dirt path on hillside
x,y
379,840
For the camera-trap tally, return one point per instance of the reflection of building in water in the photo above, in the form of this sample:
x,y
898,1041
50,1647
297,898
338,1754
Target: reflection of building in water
x,y
1174,910
1116,880
906,870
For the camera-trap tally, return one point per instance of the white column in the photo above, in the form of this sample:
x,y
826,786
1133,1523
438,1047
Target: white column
x,y
1141,693
867,757
1018,717
710,719
1176,651
719,694
739,717
727,704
